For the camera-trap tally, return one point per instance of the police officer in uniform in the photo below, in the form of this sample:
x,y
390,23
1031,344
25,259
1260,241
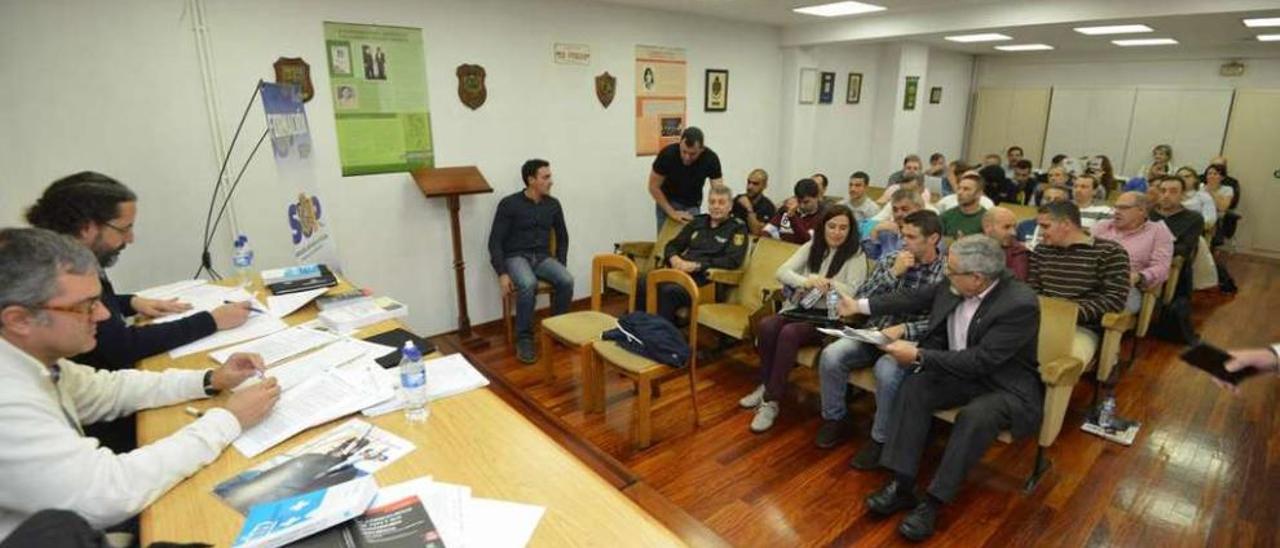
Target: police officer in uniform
x,y
711,240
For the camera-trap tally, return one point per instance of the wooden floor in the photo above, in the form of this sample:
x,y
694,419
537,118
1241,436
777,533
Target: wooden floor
x,y
1204,471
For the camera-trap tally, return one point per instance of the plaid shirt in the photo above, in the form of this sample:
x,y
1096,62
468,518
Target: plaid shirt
x,y
883,282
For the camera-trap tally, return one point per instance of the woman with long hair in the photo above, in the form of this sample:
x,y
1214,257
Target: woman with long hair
x,y
831,261
1214,185
1100,167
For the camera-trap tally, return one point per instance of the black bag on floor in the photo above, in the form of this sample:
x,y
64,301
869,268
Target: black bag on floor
x,y
1173,322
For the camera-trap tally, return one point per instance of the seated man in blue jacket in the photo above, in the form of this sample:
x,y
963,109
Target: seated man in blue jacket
x,y
714,239
979,354
100,212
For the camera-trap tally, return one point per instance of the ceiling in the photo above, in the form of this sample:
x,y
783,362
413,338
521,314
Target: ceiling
x,y
1199,26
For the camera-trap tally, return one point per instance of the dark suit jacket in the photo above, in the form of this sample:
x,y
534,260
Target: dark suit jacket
x,y
1002,340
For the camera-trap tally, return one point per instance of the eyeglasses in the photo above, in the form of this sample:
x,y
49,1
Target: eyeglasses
x,y
123,231
82,308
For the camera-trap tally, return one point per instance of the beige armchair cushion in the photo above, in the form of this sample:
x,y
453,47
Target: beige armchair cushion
x,y
731,319
577,328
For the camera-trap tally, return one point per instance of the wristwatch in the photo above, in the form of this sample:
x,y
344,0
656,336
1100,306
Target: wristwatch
x,y
209,390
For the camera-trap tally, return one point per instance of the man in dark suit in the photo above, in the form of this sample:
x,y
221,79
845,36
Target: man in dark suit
x,y
979,354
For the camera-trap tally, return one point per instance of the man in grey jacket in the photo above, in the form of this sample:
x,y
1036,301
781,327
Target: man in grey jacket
x,y
50,303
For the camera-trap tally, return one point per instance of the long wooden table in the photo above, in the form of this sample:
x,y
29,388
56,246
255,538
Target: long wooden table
x,y
473,439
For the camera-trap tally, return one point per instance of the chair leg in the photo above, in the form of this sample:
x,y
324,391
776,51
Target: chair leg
x,y
545,345
1042,465
588,374
596,385
506,320
693,394
643,414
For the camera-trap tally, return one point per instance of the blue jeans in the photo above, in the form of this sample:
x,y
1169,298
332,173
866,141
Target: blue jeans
x,y
524,275
834,365
662,215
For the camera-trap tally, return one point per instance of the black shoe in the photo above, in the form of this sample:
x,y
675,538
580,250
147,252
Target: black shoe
x,y
892,498
524,350
919,524
868,458
832,433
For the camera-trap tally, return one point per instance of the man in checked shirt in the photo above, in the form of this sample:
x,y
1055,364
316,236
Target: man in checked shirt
x,y
917,264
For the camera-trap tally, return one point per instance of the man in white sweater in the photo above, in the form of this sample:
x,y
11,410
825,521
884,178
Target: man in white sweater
x,y
49,306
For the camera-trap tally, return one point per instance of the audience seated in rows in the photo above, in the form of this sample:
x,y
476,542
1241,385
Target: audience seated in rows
x,y
1084,193
913,182
910,166
753,207
917,265
1104,175
1195,198
1186,225
1149,244
1029,229
1022,185
863,207
822,181
799,215
884,237
831,261
1142,182
1070,264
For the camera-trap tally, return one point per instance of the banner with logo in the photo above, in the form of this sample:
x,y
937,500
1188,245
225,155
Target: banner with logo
x,y
291,144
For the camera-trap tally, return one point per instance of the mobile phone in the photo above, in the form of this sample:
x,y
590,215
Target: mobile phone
x,y
1213,360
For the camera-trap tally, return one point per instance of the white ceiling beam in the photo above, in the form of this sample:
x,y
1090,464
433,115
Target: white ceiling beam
x,y
968,18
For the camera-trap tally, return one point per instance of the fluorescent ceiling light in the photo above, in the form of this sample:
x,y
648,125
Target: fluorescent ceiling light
x,y
1145,42
987,37
1113,29
1269,37
1025,47
1263,22
836,9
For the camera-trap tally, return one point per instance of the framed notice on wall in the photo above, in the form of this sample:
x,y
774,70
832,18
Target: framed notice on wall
x,y
913,88
378,79
660,97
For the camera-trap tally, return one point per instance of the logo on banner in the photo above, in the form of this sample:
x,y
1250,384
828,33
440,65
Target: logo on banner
x,y
304,217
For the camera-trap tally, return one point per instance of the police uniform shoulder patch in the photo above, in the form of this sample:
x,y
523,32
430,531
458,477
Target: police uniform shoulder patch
x,y
739,239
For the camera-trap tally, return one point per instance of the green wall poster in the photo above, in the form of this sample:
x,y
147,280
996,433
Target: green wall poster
x,y
377,76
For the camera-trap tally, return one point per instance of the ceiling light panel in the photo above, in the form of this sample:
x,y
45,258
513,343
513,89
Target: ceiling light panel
x,y
986,37
1145,42
838,9
1113,29
1262,22
1025,47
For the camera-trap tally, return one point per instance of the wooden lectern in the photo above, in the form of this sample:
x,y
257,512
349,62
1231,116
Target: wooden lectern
x,y
452,182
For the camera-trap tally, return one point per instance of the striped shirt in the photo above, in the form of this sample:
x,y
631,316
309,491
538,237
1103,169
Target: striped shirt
x,y
883,282
1094,274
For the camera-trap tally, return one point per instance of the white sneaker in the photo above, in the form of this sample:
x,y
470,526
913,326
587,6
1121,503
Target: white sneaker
x,y
765,414
752,400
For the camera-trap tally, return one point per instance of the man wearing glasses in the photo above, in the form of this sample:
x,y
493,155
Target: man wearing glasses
x,y
99,212
50,308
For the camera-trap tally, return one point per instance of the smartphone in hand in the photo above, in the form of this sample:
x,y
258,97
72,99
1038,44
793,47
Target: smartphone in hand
x,y
1213,360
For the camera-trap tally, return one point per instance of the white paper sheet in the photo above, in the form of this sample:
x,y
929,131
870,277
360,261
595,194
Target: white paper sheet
x,y
205,298
258,325
320,399
869,336
446,376
445,504
283,305
169,291
499,524
294,372
279,345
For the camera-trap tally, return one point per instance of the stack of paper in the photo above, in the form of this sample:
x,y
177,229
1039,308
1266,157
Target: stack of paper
x,y
279,345
292,373
283,305
317,400
205,298
258,325
446,376
283,521
463,521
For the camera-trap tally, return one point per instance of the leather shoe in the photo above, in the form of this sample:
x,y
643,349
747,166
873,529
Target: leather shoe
x,y
832,433
919,524
868,458
892,498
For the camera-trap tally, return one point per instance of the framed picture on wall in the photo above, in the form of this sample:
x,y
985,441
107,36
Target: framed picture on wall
x,y
853,94
909,98
935,95
828,90
716,93
808,86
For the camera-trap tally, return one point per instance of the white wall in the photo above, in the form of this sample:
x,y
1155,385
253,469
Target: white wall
x,y
115,87
943,127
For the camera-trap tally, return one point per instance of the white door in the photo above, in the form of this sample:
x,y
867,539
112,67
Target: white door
x,y
1003,117
1253,157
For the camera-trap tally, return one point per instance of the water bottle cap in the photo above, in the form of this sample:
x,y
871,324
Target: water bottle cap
x,y
411,351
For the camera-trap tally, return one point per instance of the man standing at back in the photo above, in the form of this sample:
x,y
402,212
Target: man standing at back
x,y
520,251
679,172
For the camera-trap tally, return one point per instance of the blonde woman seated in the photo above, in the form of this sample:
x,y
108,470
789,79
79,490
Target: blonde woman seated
x,y
830,261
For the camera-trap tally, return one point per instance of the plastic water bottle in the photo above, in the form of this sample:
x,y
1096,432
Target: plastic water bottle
x,y
1107,413
833,305
413,382
242,259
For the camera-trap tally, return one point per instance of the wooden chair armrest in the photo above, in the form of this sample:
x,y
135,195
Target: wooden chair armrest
x,y
725,277
1118,321
1061,372
634,249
